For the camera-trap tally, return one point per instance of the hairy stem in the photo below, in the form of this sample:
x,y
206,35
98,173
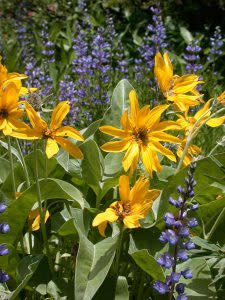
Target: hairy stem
x,y
24,164
12,167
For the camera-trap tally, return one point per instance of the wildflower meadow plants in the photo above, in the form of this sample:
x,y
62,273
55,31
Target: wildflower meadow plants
x,y
120,195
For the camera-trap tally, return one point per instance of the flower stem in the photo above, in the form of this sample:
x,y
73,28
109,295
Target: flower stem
x,y
118,252
42,214
24,164
12,166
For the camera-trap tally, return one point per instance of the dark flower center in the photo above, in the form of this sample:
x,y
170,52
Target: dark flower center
x,y
3,113
141,135
122,213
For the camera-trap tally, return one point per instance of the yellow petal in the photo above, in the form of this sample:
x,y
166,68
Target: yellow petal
x,y
70,147
162,150
203,111
10,96
124,188
113,131
166,125
67,131
134,105
131,155
215,122
35,120
163,71
102,228
109,215
125,121
147,159
51,148
59,114
117,146
154,115
165,137
131,221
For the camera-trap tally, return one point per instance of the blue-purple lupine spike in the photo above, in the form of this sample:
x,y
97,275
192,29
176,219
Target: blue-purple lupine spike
x,y
177,235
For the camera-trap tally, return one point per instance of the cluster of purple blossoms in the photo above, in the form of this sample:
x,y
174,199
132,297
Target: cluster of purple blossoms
x,y
154,41
216,43
122,63
177,235
192,57
4,228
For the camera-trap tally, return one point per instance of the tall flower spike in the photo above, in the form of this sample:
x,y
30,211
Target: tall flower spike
x,y
178,235
180,90
54,134
4,229
134,204
141,135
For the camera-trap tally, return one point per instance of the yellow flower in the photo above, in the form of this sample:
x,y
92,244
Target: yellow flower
x,y
174,87
187,122
141,136
34,219
54,134
221,98
134,205
191,153
16,78
10,111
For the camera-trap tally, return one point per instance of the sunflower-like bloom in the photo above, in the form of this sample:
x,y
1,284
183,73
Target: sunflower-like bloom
x,y
16,78
187,122
134,205
141,136
174,87
191,153
54,134
10,111
34,219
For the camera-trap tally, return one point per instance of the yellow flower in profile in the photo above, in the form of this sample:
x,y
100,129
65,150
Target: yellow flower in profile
x,y
178,89
10,111
134,205
192,152
221,98
6,77
54,134
34,219
187,122
141,136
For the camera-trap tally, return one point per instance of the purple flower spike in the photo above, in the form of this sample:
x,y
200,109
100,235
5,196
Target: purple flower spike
x,y
182,255
180,288
161,287
184,231
189,245
2,208
3,277
187,274
169,236
192,222
166,260
4,228
175,277
169,219
3,250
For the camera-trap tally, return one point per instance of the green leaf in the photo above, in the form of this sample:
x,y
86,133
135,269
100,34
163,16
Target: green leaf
x,y
106,186
92,265
91,129
119,102
198,287
18,210
148,264
14,151
113,163
5,169
26,269
92,169
204,244
186,34
122,292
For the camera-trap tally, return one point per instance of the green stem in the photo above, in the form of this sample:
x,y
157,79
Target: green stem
x,y
141,286
118,252
42,213
218,220
24,164
12,166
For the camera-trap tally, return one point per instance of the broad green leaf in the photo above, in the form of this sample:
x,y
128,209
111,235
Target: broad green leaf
x,y
26,269
91,165
92,265
14,150
18,210
205,244
113,163
148,264
198,287
119,102
106,186
122,292
91,129
63,159
5,169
